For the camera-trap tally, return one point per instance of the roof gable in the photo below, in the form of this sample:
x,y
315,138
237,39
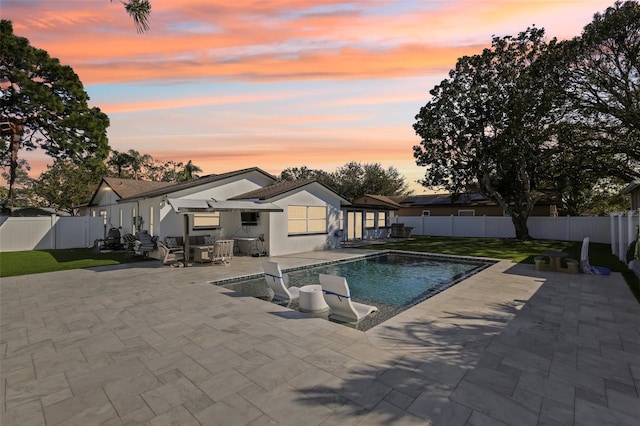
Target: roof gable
x,y
197,182
125,188
131,189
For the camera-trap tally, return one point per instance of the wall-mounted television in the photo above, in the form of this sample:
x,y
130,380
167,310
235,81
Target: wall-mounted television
x,y
249,218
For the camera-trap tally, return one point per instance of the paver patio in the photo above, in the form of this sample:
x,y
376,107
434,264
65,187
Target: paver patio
x,y
158,345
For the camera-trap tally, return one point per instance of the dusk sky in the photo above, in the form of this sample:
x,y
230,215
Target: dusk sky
x,y
275,83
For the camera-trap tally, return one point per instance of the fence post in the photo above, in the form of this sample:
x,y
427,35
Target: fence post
x,y
53,232
484,225
621,251
630,234
612,230
451,234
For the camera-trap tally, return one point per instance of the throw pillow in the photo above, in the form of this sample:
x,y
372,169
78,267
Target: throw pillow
x,y
171,242
209,240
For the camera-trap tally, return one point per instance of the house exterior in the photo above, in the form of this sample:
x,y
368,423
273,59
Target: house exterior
x,y
291,217
464,205
369,217
633,189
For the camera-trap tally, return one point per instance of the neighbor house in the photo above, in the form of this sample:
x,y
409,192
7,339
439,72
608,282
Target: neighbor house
x,y
633,189
289,216
463,205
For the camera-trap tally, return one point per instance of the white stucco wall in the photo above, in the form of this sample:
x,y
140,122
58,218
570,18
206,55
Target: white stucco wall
x,y
274,226
281,243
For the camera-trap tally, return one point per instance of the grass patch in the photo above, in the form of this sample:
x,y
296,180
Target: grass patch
x,y
516,251
14,263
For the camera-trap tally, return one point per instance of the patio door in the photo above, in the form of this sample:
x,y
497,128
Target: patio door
x,y
354,225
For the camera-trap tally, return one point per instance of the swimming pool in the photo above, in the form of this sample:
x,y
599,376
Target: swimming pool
x,y
393,281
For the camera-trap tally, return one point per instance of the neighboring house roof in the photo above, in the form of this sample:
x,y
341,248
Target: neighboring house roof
x,y
131,189
631,187
282,187
443,199
36,212
472,199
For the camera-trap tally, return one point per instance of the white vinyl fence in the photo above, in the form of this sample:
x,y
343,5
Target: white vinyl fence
x,y
624,227
618,229
54,232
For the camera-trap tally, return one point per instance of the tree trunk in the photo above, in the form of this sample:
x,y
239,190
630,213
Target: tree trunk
x,y
520,226
16,135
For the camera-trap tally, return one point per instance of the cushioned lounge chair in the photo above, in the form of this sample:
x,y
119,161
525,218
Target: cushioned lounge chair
x,y
338,297
277,282
173,256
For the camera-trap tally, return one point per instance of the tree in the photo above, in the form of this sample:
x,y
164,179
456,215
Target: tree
x,y
602,84
137,161
299,173
134,165
44,106
130,164
23,193
190,171
139,11
117,164
354,179
489,124
65,185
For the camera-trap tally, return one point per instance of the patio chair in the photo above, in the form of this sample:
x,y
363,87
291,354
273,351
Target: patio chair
x,y
585,266
221,252
136,247
337,295
173,256
278,282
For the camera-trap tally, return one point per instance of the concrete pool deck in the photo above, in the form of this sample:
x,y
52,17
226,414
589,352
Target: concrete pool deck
x,y
158,345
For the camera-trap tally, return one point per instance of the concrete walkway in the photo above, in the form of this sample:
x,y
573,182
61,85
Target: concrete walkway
x,y
158,345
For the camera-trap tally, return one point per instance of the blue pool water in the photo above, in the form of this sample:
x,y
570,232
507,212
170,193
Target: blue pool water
x,y
392,281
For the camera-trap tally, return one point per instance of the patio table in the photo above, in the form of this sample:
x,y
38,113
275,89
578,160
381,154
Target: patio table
x,y
555,259
312,299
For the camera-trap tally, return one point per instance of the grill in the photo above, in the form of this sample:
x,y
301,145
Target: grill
x,y
112,242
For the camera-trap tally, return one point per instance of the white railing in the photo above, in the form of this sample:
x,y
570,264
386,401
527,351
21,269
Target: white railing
x,y
598,229
52,232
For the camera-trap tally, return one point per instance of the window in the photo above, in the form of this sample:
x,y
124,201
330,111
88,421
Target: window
x,y
370,220
307,219
103,213
426,212
120,219
249,218
382,219
341,219
466,212
206,220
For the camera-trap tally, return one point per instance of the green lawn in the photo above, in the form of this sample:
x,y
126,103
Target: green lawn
x,y
36,261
